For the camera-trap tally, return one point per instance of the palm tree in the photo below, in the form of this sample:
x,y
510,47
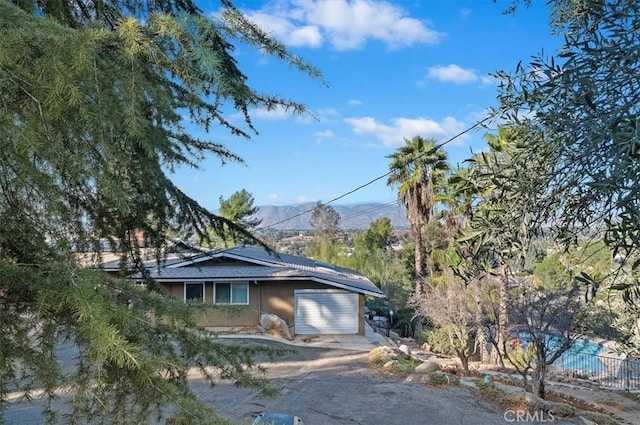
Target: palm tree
x,y
418,170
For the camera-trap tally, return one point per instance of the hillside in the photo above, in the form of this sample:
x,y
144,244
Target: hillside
x,y
354,216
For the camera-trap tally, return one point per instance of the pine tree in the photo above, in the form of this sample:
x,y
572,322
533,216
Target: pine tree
x,y
92,100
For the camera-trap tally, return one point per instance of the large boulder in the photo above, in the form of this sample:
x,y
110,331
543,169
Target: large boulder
x,y
273,323
405,350
382,355
427,367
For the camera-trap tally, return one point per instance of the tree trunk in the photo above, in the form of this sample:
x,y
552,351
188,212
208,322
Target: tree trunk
x,y
419,260
481,337
539,375
464,360
503,322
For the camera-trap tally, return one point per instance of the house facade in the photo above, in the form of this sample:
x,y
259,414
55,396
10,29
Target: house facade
x,y
242,283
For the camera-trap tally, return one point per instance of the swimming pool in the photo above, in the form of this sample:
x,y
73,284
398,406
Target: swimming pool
x,y
582,357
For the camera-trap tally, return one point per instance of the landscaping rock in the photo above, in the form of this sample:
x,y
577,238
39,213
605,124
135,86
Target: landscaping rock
x,y
275,325
405,350
427,367
382,355
390,364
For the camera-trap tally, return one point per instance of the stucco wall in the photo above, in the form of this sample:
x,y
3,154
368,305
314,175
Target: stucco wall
x,y
274,297
223,315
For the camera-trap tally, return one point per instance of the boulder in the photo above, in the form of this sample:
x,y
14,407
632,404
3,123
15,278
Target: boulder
x,y
405,350
382,355
273,323
427,367
390,364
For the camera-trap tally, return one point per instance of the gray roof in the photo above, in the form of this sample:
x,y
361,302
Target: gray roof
x,y
264,265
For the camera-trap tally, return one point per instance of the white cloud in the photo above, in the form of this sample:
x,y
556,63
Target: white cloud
x,y
284,28
452,73
322,135
344,24
488,80
354,102
275,198
303,198
393,135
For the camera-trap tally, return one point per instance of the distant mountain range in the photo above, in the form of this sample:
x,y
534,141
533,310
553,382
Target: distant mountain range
x,y
355,216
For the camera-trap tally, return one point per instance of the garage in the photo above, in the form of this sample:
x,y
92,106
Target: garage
x,y
326,311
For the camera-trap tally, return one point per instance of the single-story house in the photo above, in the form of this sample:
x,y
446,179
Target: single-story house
x,y
247,281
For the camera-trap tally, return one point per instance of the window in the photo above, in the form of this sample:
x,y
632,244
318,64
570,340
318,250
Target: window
x,y
231,293
194,291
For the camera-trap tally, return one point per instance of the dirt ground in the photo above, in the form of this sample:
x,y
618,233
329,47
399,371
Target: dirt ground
x,y
335,387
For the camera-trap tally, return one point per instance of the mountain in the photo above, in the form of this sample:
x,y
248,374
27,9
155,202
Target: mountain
x,y
354,216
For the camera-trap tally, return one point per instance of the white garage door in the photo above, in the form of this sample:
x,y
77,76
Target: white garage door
x,y
326,311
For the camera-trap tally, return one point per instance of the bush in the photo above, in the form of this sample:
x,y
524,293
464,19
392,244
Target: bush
x,y
489,391
438,340
514,401
439,379
400,366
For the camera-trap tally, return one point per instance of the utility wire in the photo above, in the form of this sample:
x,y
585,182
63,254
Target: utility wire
x,y
367,211
370,182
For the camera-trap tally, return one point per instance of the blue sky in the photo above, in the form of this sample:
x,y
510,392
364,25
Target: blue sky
x,y
394,69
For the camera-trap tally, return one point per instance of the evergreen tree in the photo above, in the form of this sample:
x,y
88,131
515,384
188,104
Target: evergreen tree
x,y
92,100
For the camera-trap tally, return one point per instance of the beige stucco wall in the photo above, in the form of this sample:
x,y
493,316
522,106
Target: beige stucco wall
x,y
275,297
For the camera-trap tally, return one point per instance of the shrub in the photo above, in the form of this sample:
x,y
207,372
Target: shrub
x,y
489,391
439,379
438,339
400,366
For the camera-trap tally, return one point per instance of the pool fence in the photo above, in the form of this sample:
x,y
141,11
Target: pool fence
x,y
611,372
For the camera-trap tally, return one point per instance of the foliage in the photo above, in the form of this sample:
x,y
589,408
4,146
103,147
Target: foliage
x,y
489,391
551,273
325,221
584,101
417,169
439,341
94,100
451,308
376,236
238,209
440,379
547,322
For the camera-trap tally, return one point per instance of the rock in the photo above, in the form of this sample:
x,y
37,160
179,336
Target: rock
x,y
405,350
382,355
390,364
427,367
273,322
425,347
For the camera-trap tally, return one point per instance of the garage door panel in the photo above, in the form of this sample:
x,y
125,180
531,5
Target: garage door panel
x,y
326,312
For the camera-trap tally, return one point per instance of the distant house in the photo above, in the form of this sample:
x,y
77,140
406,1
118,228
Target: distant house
x,y
317,298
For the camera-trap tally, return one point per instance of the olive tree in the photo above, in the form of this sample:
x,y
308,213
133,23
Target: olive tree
x,y
585,100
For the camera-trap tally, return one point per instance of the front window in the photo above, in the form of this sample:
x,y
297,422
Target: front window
x,y
231,293
194,292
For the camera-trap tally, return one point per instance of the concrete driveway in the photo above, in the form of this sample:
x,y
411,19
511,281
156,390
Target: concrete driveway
x,y
336,387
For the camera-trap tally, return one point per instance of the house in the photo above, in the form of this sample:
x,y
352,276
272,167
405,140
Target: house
x,y
246,281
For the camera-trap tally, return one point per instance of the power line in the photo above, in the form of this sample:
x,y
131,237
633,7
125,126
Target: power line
x,y
365,212
370,182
